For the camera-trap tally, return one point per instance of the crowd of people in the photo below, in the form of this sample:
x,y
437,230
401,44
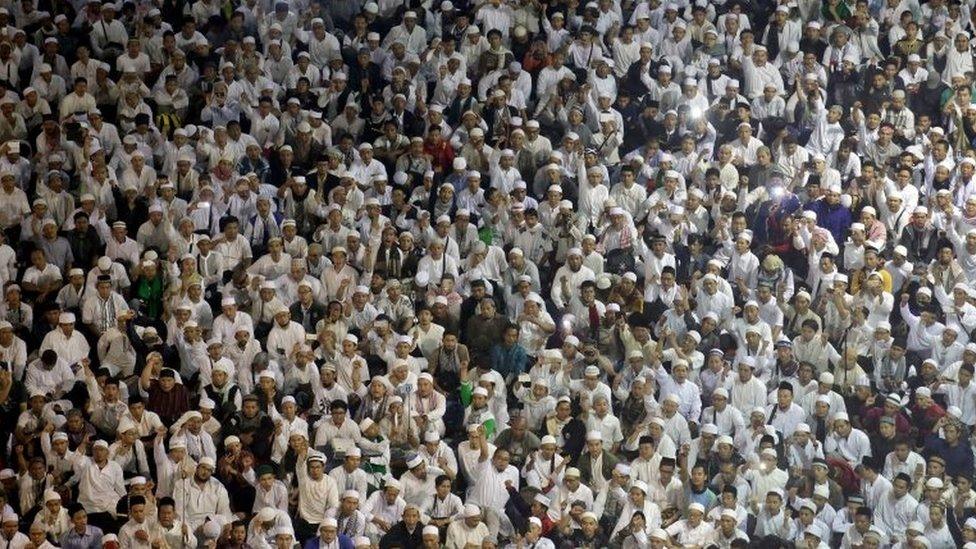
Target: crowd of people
x,y
530,274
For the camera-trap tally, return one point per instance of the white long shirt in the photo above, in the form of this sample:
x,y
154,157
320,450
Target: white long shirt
x,y
785,421
225,328
728,421
855,446
99,488
748,395
893,514
756,78
58,378
281,341
489,485
689,394
315,496
963,397
70,349
195,501
168,473
358,480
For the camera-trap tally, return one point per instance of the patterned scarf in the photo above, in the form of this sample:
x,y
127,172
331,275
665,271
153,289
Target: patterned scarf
x,y
349,525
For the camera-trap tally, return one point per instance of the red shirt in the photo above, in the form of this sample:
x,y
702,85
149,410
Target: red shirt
x,y
441,155
169,405
926,418
547,524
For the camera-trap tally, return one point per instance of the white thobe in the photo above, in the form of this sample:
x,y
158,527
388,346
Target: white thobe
x,y
195,501
99,488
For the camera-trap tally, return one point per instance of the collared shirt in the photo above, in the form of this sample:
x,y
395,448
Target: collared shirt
x,y
489,489
234,252
99,487
197,502
357,480
728,421
460,535
90,539
748,395
855,446
893,514
785,421
450,507
685,534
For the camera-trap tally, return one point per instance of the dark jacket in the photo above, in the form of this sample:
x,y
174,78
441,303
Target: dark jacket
x,y
921,244
584,465
135,215
579,540
254,432
480,333
958,458
388,268
86,247
398,536
315,313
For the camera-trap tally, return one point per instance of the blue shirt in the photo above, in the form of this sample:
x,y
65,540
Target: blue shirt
x,y
958,458
706,498
344,542
221,116
508,360
836,218
91,539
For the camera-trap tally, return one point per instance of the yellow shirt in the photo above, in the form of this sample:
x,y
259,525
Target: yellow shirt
x,y
860,277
